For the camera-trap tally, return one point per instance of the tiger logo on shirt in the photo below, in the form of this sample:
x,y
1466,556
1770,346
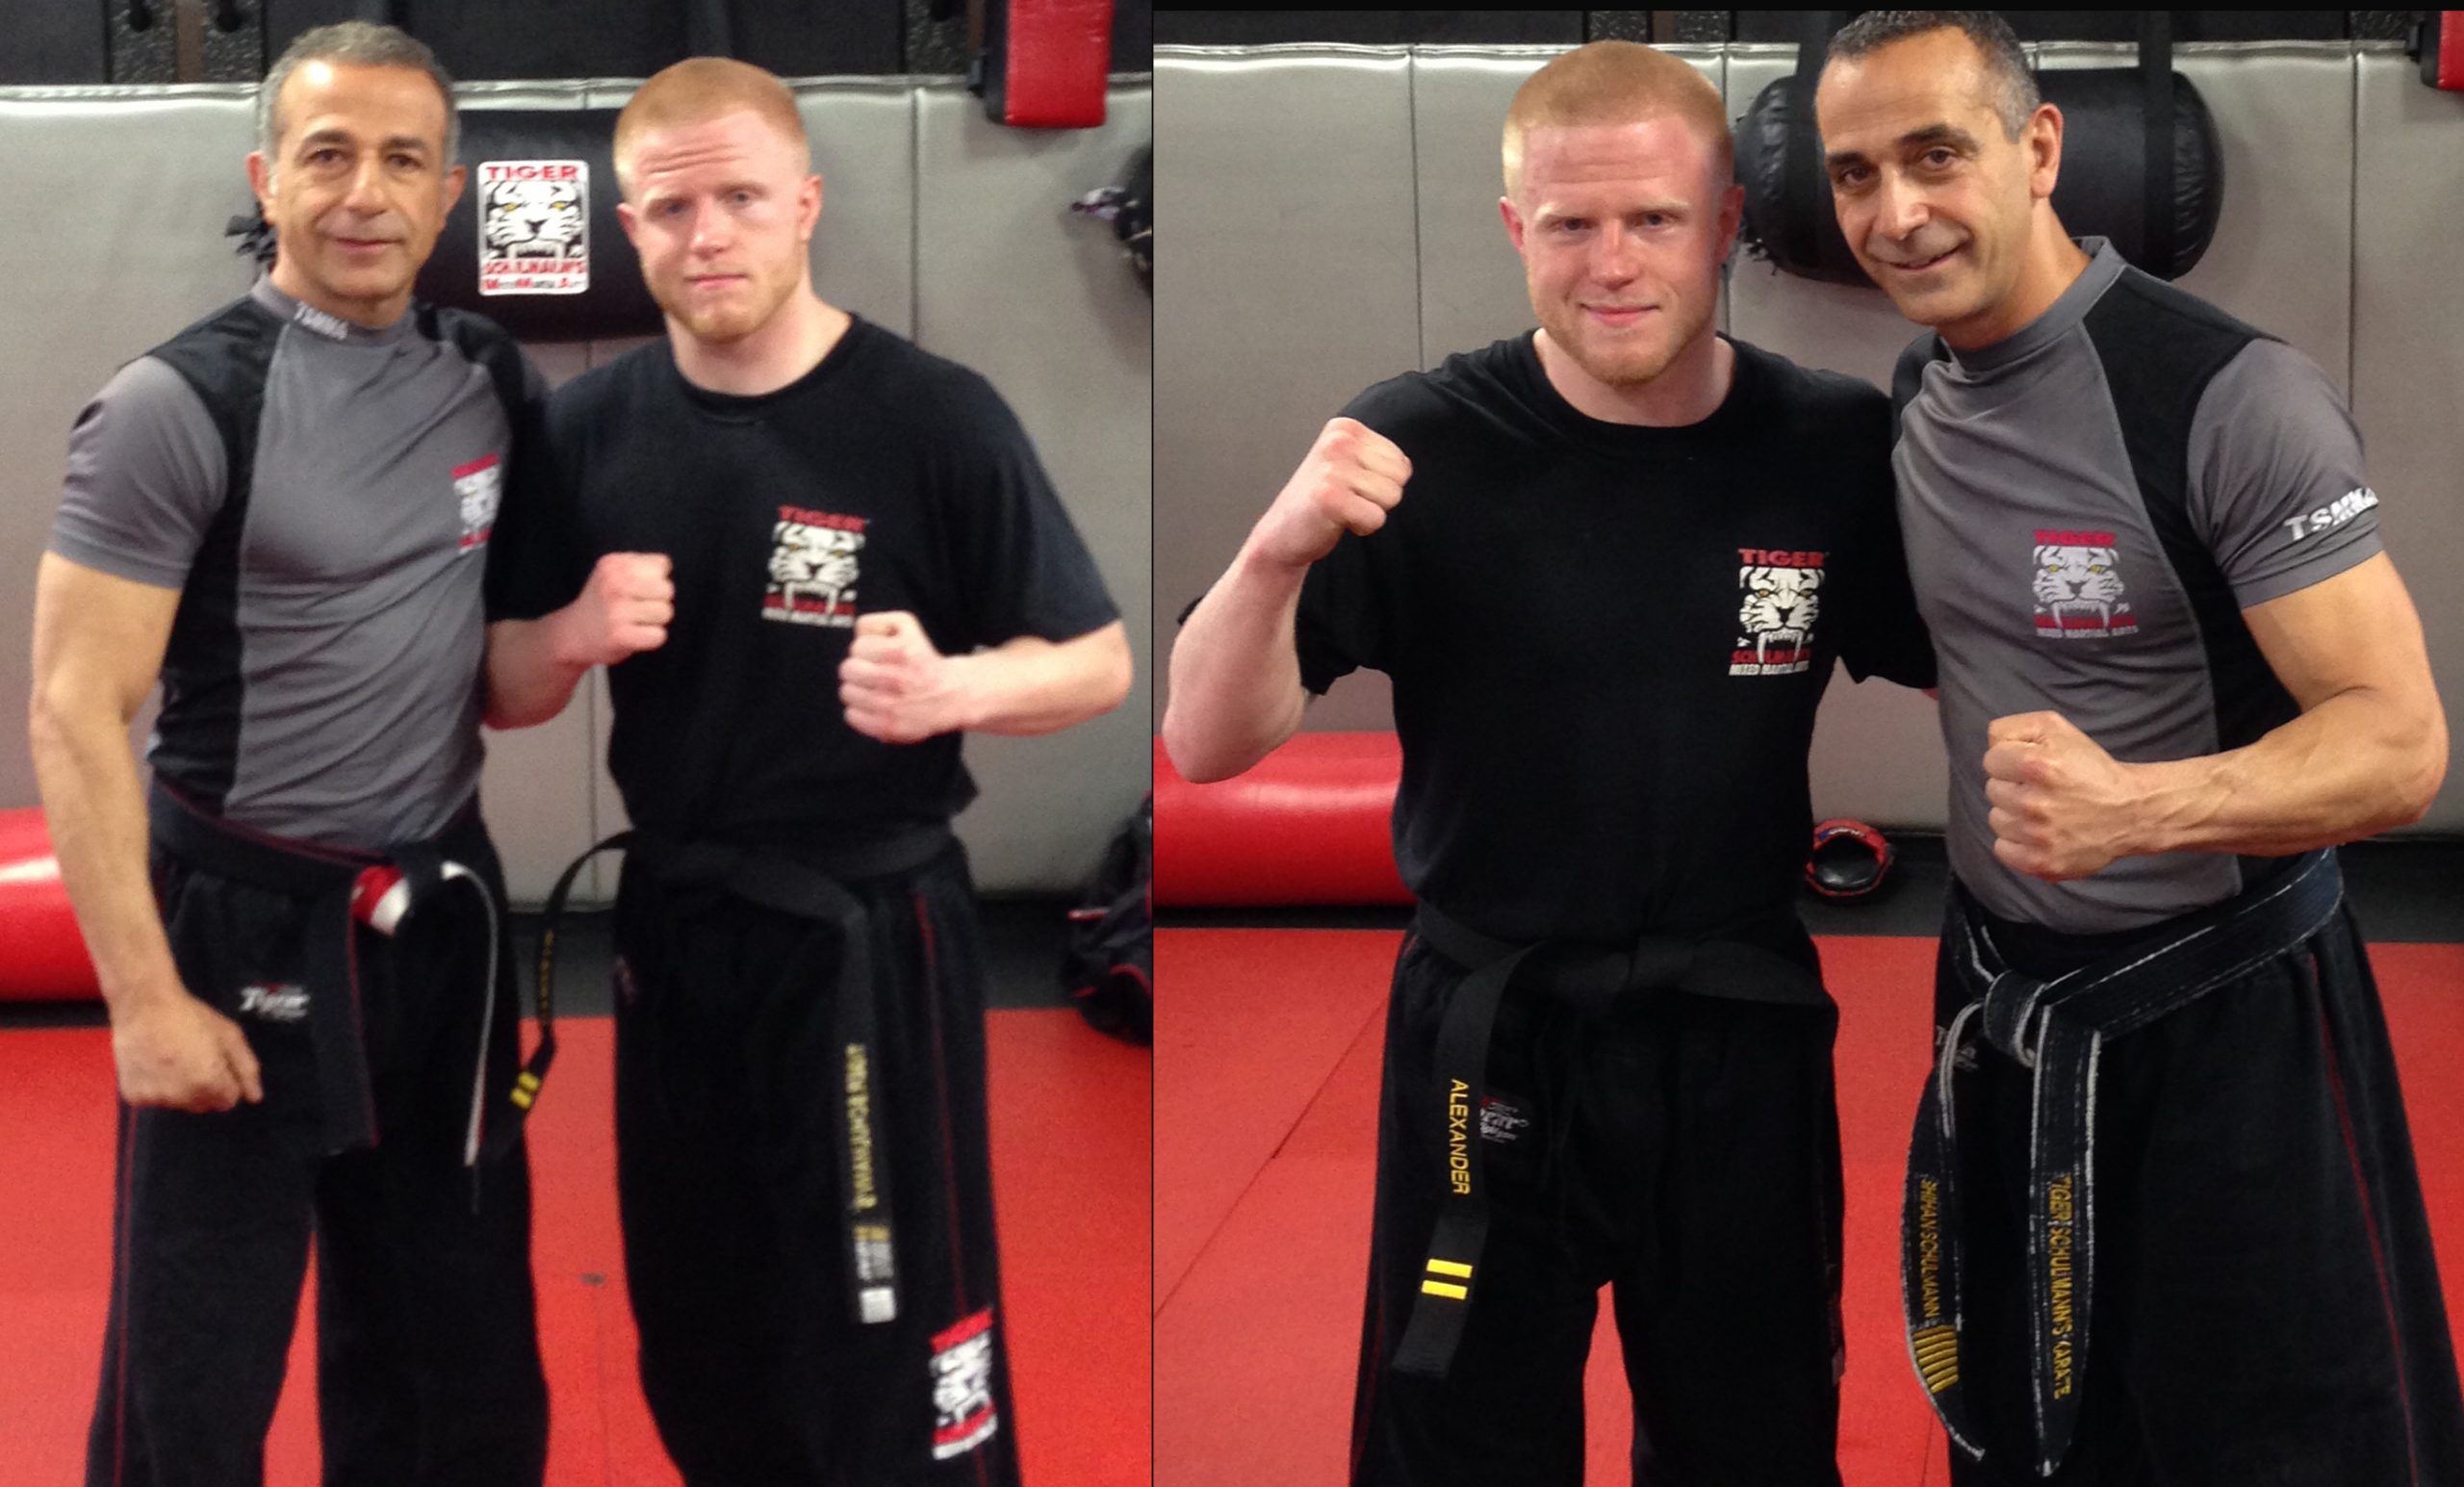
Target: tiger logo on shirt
x,y
1781,598
813,568
2078,587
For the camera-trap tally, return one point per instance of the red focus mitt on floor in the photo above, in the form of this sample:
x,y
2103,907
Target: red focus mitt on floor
x,y
41,954
1309,824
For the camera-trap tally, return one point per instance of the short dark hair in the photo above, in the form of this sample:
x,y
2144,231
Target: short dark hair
x,y
2015,86
355,44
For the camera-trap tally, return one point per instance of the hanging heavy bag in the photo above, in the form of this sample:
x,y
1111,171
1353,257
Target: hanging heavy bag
x,y
1109,966
2140,162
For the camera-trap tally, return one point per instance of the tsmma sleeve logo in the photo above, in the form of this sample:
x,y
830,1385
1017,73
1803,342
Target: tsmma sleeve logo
x,y
534,227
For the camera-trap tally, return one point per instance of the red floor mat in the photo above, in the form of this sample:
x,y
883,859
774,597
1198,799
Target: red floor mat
x,y
1255,1343
1071,1116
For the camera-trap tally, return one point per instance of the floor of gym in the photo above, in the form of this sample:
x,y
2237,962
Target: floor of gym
x,y
1267,1044
1071,1163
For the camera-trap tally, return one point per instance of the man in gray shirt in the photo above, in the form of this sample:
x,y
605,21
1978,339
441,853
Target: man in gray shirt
x,y
2176,672
283,513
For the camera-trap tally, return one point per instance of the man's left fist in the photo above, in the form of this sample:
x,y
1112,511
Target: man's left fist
x,y
2062,807
896,687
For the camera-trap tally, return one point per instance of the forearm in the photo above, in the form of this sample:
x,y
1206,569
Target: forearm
x,y
1236,675
95,808
1030,686
2356,764
531,674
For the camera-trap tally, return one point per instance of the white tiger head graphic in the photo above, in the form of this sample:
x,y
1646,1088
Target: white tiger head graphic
x,y
534,219
818,561
1780,608
2079,586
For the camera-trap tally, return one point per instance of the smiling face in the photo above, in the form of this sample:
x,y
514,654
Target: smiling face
x,y
358,189
1622,229
1936,200
722,211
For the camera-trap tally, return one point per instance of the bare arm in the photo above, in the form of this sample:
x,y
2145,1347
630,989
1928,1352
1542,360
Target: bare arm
x,y
535,665
98,646
1031,686
2368,752
898,688
1237,693
1236,676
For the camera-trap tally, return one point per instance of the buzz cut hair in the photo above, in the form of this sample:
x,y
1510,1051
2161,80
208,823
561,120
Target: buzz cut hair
x,y
1617,83
702,88
2015,96
353,43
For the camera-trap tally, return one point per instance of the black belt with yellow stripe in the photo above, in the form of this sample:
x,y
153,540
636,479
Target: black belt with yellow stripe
x,y
808,884
1599,982
2058,1029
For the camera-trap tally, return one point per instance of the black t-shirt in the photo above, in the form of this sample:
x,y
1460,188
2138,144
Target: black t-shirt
x,y
1607,641
886,478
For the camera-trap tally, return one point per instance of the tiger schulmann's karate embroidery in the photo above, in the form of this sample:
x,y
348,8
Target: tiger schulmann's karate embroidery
x,y
534,227
1775,622
2078,587
813,568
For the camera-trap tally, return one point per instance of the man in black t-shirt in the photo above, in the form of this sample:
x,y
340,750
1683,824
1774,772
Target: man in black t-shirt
x,y
811,556
1629,553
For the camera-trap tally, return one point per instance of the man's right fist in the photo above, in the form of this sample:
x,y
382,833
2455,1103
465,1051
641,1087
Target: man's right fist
x,y
1352,477
624,609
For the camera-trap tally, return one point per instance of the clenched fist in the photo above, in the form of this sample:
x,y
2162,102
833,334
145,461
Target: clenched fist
x,y
623,609
896,687
2062,807
1352,477
177,1052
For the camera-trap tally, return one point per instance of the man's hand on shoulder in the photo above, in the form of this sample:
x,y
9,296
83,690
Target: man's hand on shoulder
x,y
2062,807
1352,477
896,686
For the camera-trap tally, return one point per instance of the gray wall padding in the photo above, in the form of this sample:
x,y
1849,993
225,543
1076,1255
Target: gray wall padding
x,y
1291,247
936,223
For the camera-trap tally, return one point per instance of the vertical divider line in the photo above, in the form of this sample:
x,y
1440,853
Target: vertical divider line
x,y
1420,264
2352,246
915,214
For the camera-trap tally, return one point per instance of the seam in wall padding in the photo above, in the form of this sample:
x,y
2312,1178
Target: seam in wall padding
x,y
1310,823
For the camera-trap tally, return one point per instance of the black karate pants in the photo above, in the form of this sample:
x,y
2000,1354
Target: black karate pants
x,y
727,1168
427,1365
1688,1158
2265,1306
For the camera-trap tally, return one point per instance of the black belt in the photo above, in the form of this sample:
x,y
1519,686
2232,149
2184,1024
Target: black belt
x,y
344,888
2059,1028
1599,982
810,884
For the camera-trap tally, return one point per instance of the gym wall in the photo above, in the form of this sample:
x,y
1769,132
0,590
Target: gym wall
x,y
1333,221
936,222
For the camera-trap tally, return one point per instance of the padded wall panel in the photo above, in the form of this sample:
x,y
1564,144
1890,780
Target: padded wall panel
x,y
1472,288
2408,360
120,244
1042,301
864,147
1289,284
2282,258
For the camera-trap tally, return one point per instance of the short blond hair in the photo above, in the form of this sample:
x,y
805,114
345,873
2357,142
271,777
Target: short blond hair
x,y
697,91
1617,83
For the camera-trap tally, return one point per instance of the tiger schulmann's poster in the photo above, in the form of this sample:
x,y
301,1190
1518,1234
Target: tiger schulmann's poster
x,y
534,227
